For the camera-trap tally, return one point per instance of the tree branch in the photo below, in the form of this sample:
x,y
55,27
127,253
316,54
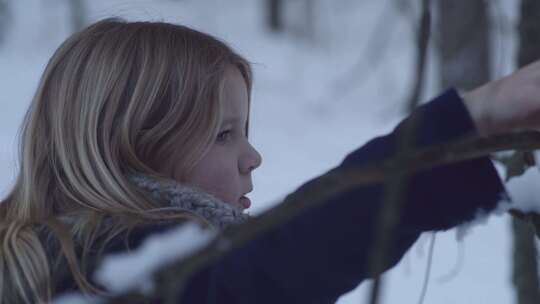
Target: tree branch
x,y
525,271
397,183
317,191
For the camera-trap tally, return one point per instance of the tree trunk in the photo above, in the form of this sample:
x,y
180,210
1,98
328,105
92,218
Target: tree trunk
x,y
309,19
78,14
5,19
525,272
274,15
463,43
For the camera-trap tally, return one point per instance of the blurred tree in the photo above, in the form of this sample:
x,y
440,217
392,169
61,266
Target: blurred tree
x,y
464,59
296,17
463,30
309,28
5,19
78,14
274,11
525,272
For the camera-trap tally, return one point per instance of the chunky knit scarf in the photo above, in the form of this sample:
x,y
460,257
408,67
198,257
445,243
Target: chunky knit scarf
x,y
191,199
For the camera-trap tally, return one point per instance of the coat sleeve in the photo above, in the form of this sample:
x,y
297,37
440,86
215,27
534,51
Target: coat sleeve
x,y
323,253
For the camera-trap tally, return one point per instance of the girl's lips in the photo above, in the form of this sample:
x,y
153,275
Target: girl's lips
x,y
245,202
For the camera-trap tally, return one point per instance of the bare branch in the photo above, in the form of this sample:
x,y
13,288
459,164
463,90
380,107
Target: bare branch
x,y
397,183
318,190
525,272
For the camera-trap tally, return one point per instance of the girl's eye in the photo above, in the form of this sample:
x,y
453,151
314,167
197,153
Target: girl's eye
x,y
224,136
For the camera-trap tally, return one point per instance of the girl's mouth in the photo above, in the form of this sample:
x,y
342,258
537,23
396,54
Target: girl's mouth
x,y
245,202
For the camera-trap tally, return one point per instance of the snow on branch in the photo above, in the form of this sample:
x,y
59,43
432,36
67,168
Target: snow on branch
x,y
125,271
134,270
525,192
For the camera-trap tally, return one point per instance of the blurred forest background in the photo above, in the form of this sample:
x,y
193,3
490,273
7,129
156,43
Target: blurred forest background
x,y
329,76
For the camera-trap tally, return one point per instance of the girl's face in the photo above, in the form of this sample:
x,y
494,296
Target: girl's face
x,y
225,171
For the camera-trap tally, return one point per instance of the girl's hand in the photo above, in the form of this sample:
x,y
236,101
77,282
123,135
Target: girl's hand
x,y
508,104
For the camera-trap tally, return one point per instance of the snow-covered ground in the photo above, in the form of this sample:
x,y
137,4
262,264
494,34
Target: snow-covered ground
x,y
313,102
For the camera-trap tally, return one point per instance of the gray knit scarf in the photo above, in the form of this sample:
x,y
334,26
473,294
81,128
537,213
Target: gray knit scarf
x,y
190,199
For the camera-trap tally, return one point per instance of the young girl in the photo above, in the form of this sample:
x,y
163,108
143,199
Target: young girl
x,y
137,127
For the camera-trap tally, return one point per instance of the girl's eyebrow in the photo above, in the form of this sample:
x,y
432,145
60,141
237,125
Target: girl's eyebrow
x,y
231,120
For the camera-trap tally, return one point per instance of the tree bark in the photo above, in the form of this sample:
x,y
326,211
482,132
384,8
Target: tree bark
x,y
274,15
525,272
525,255
463,43
78,14
5,19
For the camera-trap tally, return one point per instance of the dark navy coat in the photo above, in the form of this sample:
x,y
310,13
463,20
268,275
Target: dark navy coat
x,y
323,253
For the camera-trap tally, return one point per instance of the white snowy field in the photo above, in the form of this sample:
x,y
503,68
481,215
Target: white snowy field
x,y
313,102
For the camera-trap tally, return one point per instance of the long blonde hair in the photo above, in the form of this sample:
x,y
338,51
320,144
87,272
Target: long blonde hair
x,y
115,98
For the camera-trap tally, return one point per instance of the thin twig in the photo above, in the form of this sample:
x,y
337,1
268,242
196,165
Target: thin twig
x,y
373,53
428,269
397,183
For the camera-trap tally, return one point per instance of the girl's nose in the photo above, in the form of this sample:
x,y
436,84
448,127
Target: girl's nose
x,y
252,160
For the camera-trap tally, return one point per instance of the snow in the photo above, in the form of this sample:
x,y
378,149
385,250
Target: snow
x,y
481,217
525,192
134,269
536,154
313,102
76,298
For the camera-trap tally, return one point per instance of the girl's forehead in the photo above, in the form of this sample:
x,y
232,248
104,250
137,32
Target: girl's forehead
x,y
234,103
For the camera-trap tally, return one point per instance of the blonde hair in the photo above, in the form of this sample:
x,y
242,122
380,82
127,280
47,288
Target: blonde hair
x,y
115,98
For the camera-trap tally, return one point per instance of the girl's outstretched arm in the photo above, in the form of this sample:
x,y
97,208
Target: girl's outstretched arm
x,y
324,253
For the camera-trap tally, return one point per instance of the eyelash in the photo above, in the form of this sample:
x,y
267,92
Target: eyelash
x,y
221,134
